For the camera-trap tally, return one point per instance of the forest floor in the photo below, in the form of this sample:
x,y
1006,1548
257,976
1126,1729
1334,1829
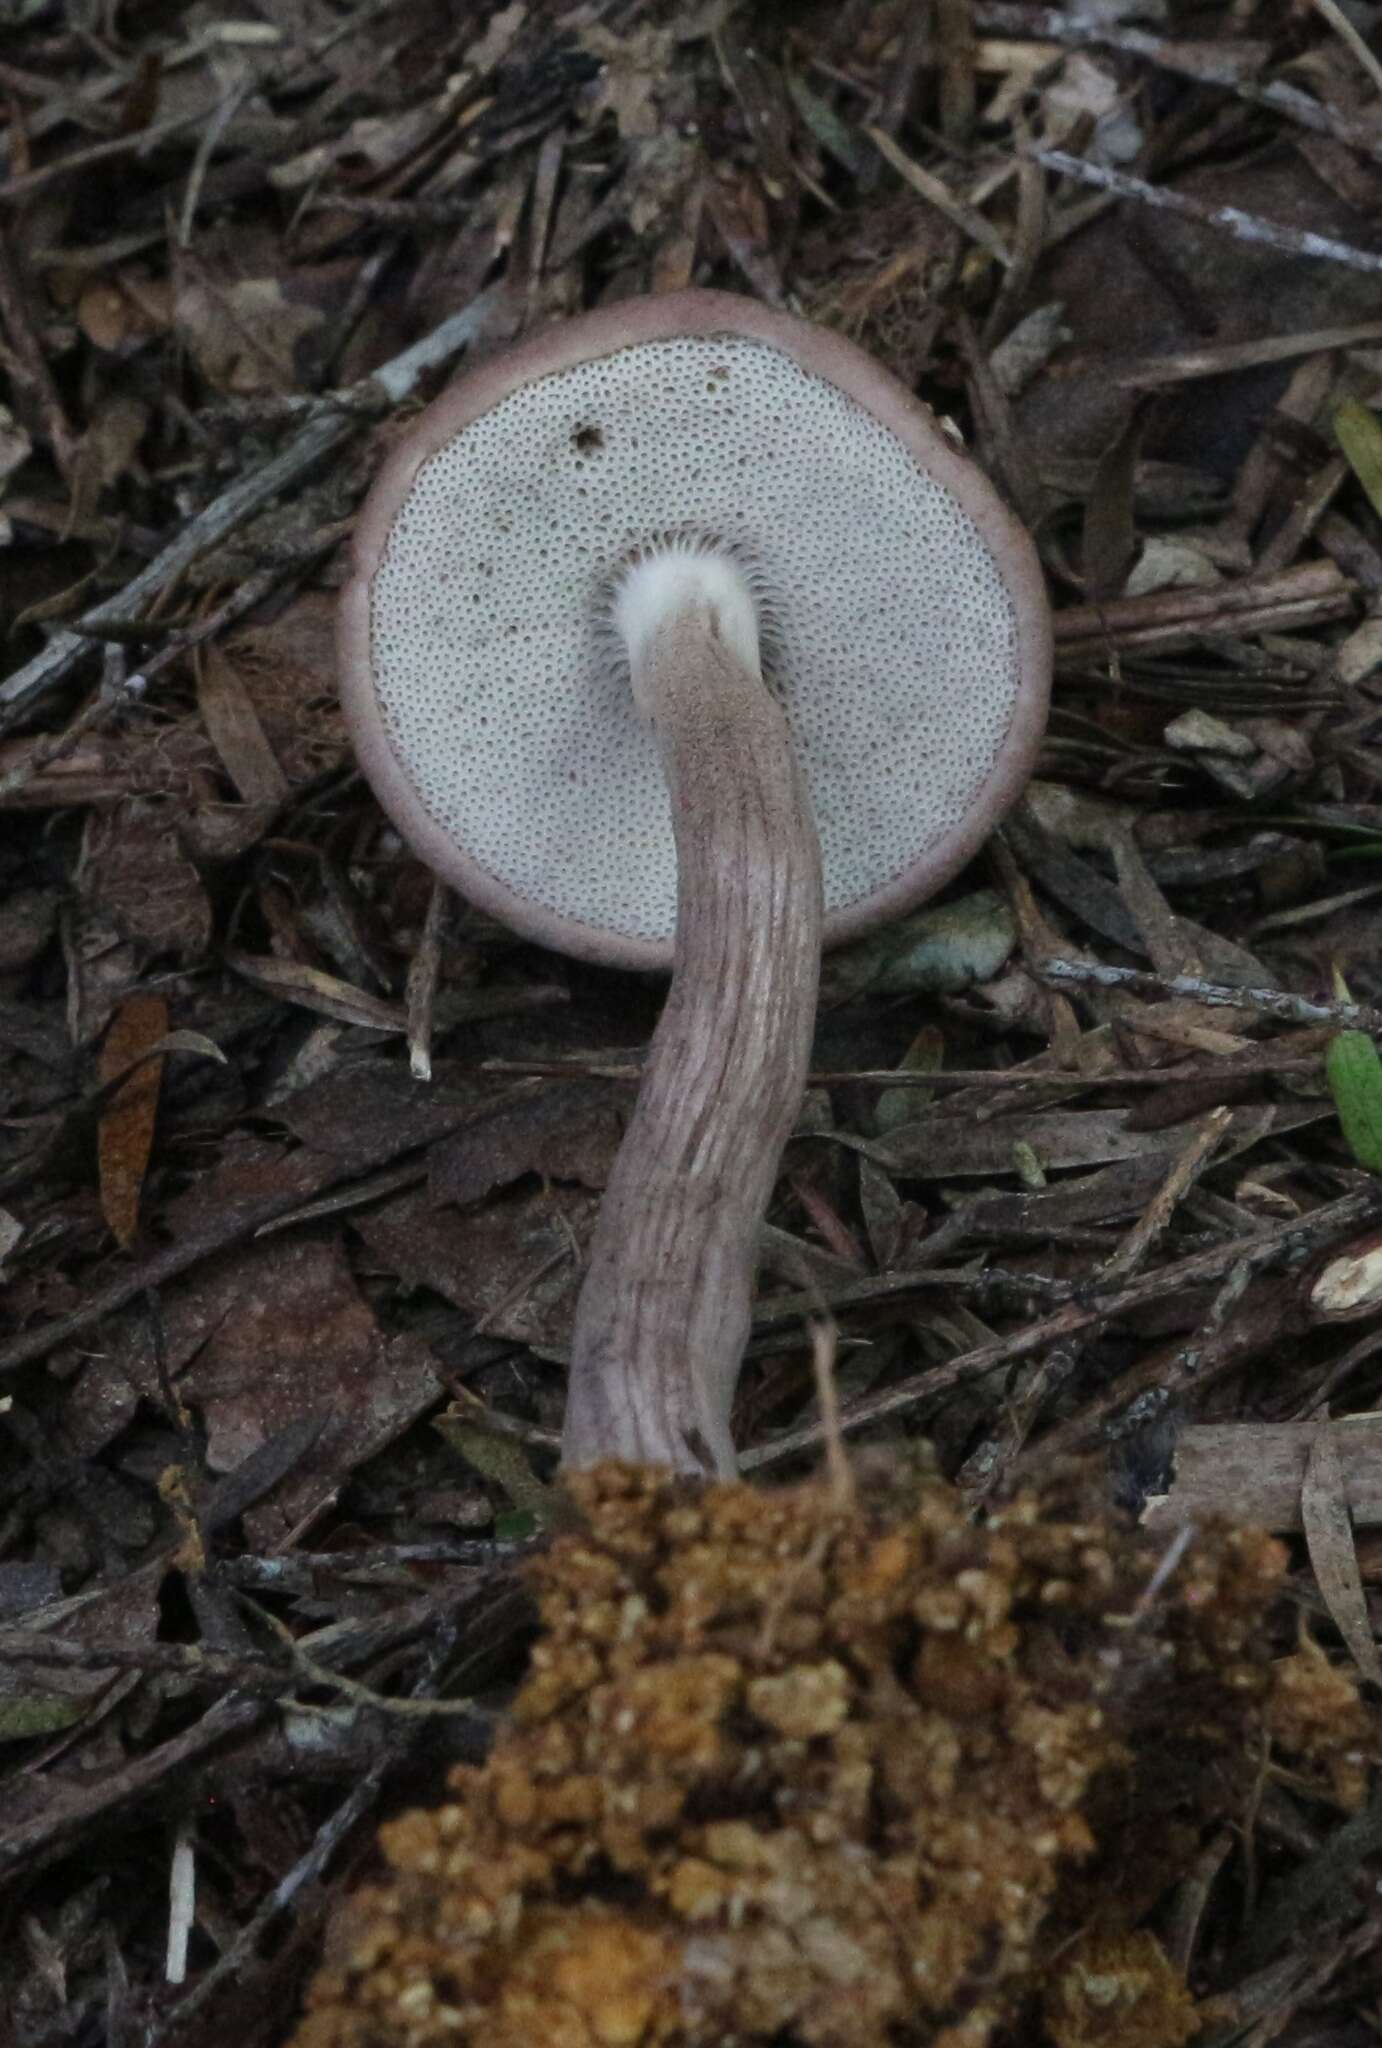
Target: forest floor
x,y
1090,1164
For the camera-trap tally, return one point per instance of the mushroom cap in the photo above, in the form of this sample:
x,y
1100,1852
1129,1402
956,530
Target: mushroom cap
x,y
901,611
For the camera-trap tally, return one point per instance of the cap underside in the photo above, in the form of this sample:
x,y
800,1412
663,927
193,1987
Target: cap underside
x,y
889,630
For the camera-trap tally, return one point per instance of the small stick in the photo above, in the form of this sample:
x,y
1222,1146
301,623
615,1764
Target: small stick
x,y
1218,358
25,183
1268,1002
423,971
953,1078
823,1340
1184,1173
985,1473
1309,593
1253,1472
241,1955
1348,34
245,1953
182,1902
1244,227
1191,1897
51,748
31,364
968,219
1223,1339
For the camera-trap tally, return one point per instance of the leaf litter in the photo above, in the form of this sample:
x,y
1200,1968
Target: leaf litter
x,y
296,1149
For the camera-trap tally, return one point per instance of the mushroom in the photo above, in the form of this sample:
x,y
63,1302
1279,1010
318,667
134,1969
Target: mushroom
x,y
680,635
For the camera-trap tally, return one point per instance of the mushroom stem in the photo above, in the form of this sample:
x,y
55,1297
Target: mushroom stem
x,y
664,1315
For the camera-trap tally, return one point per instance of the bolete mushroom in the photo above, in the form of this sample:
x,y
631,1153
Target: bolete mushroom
x,y
680,634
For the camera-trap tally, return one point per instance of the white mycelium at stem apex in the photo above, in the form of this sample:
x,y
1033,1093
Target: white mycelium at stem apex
x,y
684,577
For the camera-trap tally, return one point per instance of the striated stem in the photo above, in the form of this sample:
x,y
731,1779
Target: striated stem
x,y
663,1317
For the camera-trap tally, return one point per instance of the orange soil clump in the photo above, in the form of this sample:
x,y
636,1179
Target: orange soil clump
x,y
786,1771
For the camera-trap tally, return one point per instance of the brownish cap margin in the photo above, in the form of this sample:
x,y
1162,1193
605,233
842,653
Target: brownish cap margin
x,y
822,354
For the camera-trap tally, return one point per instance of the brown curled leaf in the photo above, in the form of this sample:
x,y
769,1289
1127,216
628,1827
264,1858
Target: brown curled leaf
x,y
126,1136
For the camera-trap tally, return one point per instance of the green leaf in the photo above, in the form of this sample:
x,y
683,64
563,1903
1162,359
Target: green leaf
x,y
835,136
1354,1072
1358,431
502,1459
940,950
25,1715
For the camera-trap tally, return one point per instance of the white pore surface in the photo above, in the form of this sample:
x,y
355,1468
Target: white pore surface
x,y
885,622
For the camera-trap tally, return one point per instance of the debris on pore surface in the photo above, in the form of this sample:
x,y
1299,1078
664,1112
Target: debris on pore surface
x,y
789,1768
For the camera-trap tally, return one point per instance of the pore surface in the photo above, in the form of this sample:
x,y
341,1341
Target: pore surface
x,y
888,632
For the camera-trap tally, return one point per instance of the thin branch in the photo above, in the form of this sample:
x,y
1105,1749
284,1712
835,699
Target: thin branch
x,y
301,1177
1267,1002
1220,358
948,1079
25,183
1244,227
1309,594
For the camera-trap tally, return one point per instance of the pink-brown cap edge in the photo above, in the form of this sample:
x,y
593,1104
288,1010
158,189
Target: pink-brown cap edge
x,y
822,353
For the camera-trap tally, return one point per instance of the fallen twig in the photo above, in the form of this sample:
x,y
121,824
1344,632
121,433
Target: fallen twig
x,y
1244,227
1220,358
1313,593
1267,1002
946,1079
1253,1472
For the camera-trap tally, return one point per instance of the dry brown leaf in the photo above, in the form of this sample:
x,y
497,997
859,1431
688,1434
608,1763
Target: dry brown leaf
x,y
288,670
126,1138
242,336
636,67
105,315
233,726
117,314
1110,529
884,1213
28,919
514,1265
134,871
296,1341
125,1613
105,451
739,210
325,993
139,102
566,1130
1329,1539
940,1146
